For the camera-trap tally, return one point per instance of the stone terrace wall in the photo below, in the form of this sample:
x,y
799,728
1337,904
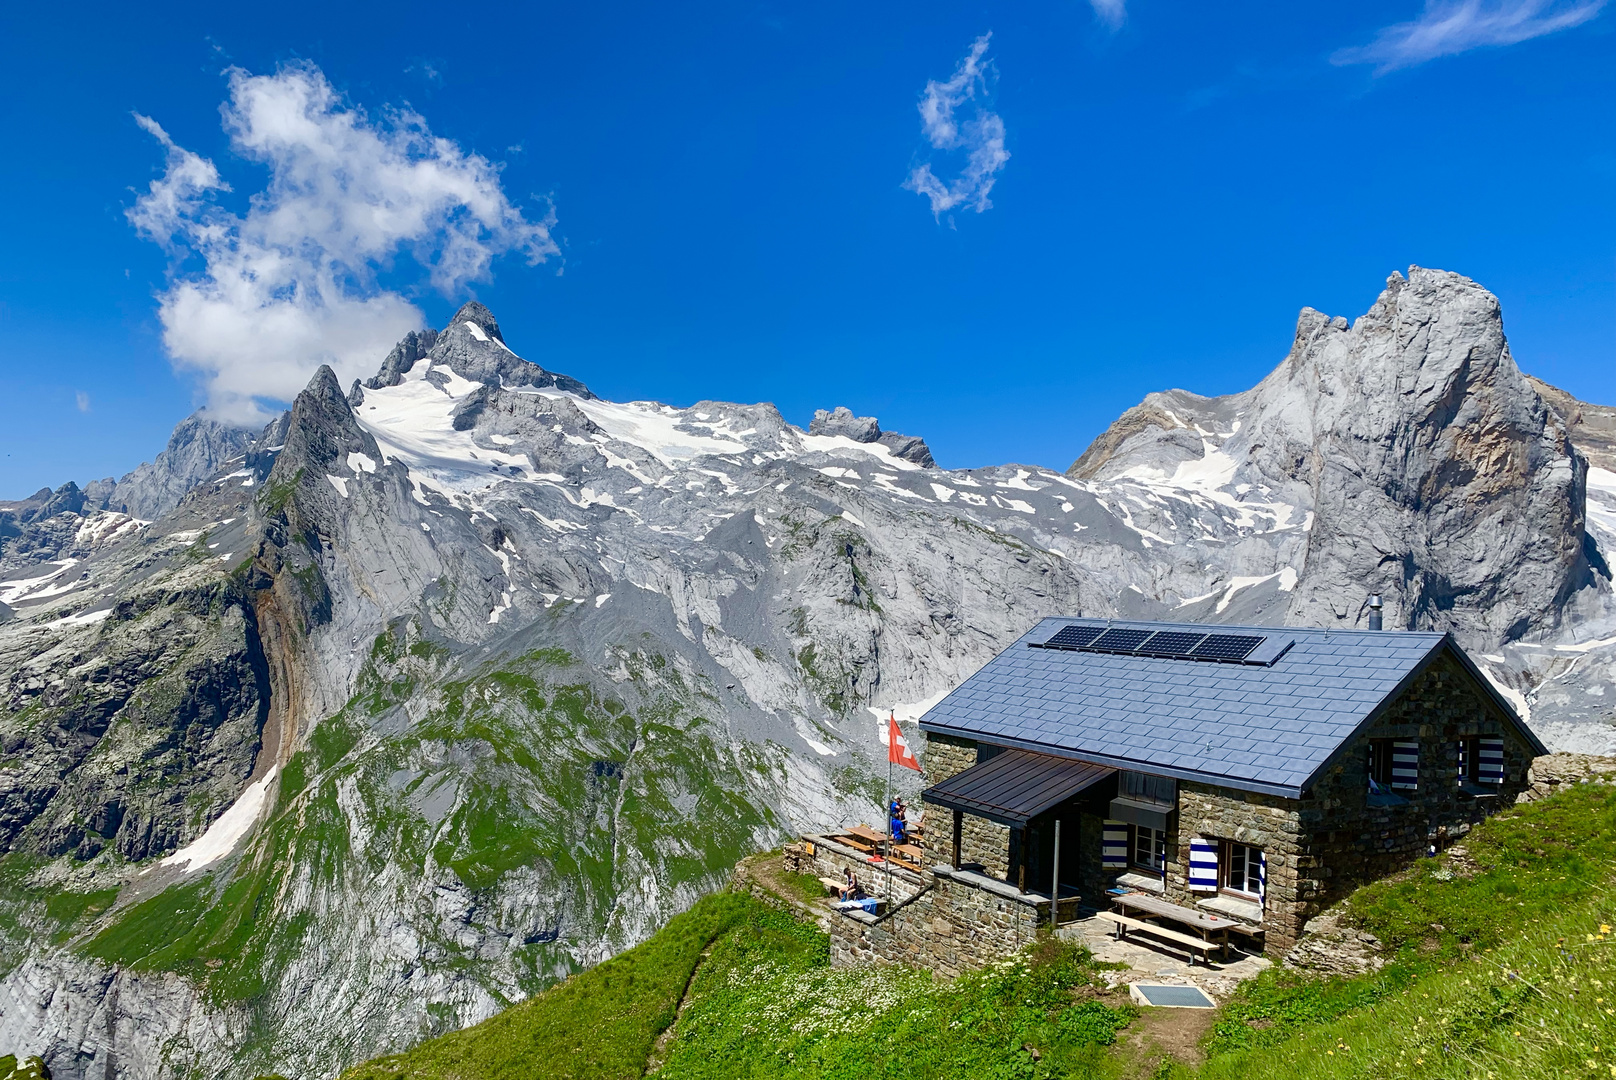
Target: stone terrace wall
x,y
950,928
831,859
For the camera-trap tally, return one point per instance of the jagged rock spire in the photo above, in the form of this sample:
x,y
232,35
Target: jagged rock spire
x,y
473,312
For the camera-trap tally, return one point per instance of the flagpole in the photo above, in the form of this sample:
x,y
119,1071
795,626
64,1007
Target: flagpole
x,y
892,749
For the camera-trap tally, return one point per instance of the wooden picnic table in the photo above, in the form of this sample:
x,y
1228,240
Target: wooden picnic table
x,y
1213,929
867,834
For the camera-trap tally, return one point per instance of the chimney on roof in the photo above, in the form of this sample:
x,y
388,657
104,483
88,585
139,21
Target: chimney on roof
x,y
1374,612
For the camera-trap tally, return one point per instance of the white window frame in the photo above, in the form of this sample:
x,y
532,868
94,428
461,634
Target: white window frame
x,y
1156,838
1250,861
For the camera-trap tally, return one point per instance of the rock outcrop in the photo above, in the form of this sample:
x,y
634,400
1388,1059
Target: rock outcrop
x,y
864,429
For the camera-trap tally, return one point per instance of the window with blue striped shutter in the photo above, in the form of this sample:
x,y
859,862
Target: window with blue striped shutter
x,y
1262,876
1203,865
1406,764
1114,848
1491,770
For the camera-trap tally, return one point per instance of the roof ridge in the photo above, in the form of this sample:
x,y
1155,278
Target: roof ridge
x,y
1224,628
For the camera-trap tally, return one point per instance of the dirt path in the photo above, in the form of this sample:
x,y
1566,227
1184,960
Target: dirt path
x,y
1162,1034
659,1049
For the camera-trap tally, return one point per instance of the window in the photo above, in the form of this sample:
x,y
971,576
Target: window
x,y
1147,848
1481,759
1242,870
1380,765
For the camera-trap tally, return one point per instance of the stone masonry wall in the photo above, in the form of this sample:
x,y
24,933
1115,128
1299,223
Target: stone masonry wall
x,y
952,927
1266,822
832,861
983,842
1350,842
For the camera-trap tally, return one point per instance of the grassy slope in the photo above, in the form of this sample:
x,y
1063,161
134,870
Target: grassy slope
x,y
601,1023
1504,965
765,1002
768,1005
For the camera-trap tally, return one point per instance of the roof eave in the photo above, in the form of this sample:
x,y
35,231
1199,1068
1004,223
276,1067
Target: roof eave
x,y
1238,783
1498,699
1445,643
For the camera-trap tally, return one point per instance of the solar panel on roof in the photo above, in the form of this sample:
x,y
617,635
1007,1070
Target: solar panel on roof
x,y
1161,644
1120,639
1225,647
1074,637
1170,643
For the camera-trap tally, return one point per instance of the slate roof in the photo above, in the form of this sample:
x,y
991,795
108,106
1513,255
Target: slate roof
x,y
1267,727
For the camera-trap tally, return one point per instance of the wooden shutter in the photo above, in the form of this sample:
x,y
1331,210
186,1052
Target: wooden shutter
x,y
1491,769
1406,764
1203,865
1262,875
1464,760
1114,848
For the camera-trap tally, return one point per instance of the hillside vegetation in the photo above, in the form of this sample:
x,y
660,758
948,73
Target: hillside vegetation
x,y
1501,962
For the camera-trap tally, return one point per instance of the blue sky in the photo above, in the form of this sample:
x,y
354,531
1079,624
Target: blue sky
x,y
737,214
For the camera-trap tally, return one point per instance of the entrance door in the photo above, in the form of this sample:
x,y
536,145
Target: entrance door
x,y
1040,851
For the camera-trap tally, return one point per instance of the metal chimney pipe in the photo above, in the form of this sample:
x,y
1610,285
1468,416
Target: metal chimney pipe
x,y
1374,612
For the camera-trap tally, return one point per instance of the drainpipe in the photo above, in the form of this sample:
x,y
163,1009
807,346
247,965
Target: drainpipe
x,y
1054,892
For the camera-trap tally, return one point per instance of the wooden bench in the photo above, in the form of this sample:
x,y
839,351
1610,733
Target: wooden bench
x,y
835,885
908,854
1194,944
1255,934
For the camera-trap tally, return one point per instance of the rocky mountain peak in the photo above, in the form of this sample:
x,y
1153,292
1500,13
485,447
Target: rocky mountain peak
x,y
322,432
472,347
476,313
412,347
840,421
1430,469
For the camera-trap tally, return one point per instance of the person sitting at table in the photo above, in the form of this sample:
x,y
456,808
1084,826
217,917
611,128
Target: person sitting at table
x,y
899,828
850,885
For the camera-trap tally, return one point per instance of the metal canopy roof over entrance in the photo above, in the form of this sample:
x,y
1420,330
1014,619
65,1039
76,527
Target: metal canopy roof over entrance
x,y
1015,786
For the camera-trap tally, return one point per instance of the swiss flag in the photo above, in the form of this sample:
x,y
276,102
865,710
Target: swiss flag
x,y
898,751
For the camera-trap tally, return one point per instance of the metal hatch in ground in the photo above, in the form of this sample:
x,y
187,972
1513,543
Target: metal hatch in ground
x,y
1170,997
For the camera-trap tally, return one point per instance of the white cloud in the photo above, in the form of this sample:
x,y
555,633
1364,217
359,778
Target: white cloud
x,y
1110,12
1447,27
291,284
980,136
82,400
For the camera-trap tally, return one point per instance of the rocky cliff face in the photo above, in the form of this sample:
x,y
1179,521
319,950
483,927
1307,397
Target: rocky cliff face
x,y
465,677
1427,467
